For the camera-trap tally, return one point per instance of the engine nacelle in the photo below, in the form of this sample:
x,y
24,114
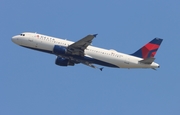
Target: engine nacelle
x,y
63,62
58,50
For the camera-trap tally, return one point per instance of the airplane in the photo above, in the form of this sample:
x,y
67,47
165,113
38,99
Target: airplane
x,y
69,53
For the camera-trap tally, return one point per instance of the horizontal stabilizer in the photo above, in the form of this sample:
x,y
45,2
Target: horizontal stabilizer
x,y
147,60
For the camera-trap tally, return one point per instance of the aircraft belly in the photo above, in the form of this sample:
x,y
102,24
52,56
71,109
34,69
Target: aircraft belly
x,y
107,58
123,62
37,45
46,46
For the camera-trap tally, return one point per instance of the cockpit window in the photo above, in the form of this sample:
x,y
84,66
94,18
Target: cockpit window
x,y
22,34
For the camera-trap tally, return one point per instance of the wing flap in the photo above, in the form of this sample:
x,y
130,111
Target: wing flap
x,y
91,65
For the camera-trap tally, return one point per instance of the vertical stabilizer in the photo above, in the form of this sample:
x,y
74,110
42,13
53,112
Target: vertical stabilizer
x,y
149,50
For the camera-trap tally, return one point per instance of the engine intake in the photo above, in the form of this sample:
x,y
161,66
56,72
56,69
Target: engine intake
x,y
63,62
58,50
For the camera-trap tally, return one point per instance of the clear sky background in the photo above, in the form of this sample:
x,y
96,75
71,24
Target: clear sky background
x,y
31,84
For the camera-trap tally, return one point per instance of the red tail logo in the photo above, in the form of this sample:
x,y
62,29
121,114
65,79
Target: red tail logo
x,y
148,50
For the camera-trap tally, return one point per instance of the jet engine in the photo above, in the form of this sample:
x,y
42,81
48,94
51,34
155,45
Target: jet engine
x,y
63,62
58,50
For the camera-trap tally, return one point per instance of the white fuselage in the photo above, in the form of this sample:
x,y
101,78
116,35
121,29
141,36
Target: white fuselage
x,y
46,43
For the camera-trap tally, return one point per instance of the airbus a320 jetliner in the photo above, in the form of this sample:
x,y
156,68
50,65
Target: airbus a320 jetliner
x,y
70,53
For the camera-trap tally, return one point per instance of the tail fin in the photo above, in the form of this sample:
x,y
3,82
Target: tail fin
x,y
149,50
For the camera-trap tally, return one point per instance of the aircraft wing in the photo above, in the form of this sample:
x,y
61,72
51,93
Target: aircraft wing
x,y
78,47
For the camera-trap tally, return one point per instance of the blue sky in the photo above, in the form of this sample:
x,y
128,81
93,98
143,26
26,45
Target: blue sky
x,y
30,82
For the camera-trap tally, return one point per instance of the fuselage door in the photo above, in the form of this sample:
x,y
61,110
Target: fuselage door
x,y
30,38
127,61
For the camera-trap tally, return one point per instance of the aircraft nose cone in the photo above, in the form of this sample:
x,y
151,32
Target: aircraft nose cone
x,y
14,39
